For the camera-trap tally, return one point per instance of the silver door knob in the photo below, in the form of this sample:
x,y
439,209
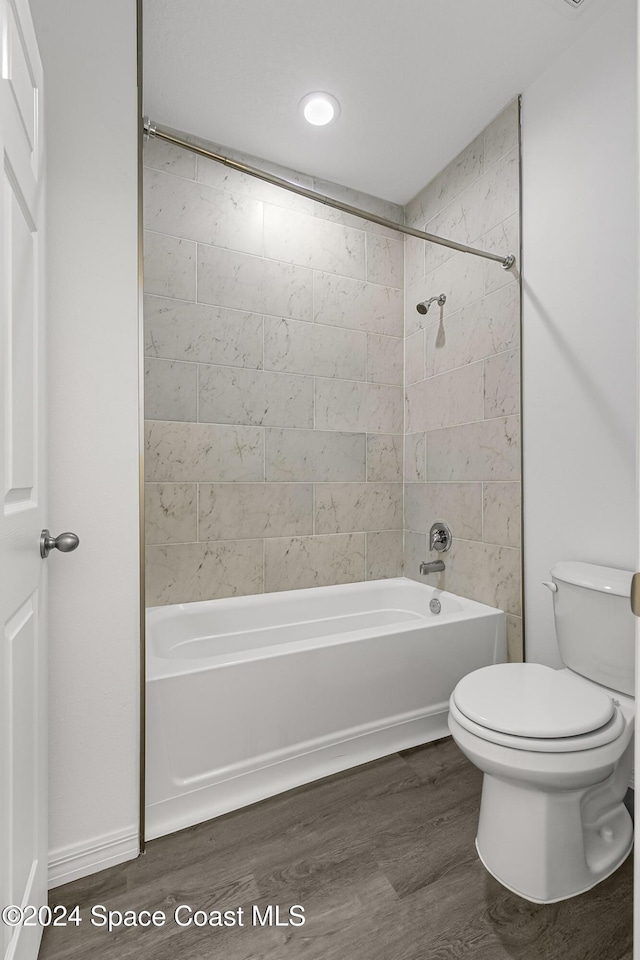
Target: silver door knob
x,y
65,543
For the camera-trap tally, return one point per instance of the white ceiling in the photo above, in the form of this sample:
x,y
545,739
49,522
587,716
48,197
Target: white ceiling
x,y
416,79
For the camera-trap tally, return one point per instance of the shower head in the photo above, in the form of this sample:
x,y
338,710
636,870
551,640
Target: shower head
x,y
423,306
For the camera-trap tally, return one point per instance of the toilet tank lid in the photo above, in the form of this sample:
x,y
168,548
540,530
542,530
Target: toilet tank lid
x,y
593,577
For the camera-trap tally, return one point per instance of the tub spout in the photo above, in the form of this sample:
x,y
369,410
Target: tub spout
x,y
431,566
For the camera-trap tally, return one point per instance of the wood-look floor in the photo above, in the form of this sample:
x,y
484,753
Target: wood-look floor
x,y
382,857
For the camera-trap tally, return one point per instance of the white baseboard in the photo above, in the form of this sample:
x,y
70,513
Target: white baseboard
x,y
83,859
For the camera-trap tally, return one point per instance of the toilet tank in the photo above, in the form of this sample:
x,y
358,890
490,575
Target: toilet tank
x,y
594,623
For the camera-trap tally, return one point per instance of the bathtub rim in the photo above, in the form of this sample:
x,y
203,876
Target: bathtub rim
x,y
164,668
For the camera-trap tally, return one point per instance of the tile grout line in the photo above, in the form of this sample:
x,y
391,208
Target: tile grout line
x,y
462,366
282,373
298,536
277,316
366,258
264,259
196,270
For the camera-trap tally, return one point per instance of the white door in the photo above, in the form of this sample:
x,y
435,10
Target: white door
x,y
23,703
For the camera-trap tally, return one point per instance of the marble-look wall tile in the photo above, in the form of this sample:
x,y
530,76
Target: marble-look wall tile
x,y
384,555
502,385
170,514
501,136
418,410
434,254
292,237
195,211
499,191
325,212
269,300
217,175
169,266
488,201
254,397
450,398
502,239
501,514
414,354
515,640
370,307
184,572
163,156
350,507
293,346
457,504
483,572
416,550
238,511
461,279
230,279
184,452
170,390
384,458
177,330
482,329
453,180
414,260
376,205
293,564
385,261
301,455
415,448
384,359
487,450
366,407
462,377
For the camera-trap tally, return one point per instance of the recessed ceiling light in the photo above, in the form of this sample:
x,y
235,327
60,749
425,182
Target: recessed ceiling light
x,y
319,108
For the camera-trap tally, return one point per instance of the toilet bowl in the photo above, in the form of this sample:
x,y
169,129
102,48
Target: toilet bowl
x,y
556,751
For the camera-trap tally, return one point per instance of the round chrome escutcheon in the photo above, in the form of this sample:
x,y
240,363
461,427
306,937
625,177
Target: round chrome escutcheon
x,y
435,606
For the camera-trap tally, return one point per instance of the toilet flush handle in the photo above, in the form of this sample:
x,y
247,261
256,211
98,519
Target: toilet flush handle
x,y
552,586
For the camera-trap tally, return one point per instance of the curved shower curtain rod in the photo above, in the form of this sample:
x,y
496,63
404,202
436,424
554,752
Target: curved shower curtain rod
x,y
153,131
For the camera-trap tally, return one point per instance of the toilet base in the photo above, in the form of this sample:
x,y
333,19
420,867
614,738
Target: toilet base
x,y
550,845
526,896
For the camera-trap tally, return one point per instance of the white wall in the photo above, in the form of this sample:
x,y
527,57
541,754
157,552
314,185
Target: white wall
x,y
89,56
580,186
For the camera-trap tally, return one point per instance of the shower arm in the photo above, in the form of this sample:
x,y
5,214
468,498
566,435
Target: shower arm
x,y
153,131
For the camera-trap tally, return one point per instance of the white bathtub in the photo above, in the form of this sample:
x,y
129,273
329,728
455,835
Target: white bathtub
x,y
251,696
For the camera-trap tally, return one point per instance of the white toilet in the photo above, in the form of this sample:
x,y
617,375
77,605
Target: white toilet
x,y
556,746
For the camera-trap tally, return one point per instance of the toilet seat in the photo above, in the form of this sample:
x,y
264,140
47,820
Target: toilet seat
x,y
586,741
528,706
